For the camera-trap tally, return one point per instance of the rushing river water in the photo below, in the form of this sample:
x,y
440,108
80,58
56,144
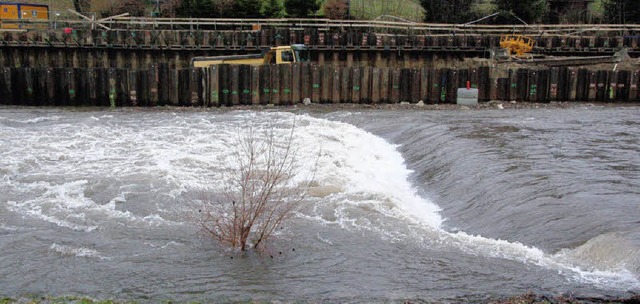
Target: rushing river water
x,y
438,205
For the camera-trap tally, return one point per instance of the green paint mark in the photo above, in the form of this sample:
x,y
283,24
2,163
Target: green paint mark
x,y
225,91
610,93
443,94
395,87
234,93
356,88
274,90
435,85
316,86
475,86
29,90
533,90
265,90
72,92
513,85
287,91
245,91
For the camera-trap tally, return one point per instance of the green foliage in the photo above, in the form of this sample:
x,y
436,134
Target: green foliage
x,y
273,9
301,8
531,11
595,11
447,11
6,300
622,11
481,8
248,9
195,9
372,9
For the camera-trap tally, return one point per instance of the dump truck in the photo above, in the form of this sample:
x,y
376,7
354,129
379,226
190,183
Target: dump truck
x,y
274,55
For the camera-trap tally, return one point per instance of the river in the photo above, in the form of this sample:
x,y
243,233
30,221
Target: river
x,y
450,206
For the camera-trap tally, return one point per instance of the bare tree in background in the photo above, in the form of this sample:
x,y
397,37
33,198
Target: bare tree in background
x,y
82,6
260,192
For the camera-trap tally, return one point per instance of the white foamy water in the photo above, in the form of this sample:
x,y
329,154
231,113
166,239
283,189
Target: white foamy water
x,y
76,251
133,170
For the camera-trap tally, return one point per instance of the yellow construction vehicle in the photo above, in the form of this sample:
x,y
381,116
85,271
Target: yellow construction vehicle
x,y
275,55
517,45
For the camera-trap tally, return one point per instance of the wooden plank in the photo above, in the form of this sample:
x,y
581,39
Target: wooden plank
x,y
397,87
582,88
171,89
523,89
224,84
39,86
234,88
385,82
132,88
365,84
543,86
183,87
452,81
112,87
6,92
275,85
613,85
414,85
27,98
244,90
285,84
573,83
425,84
316,83
513,85
601,86
345,85
434,90
484,84
195,86
122,78
306,82
633,86
255,85
356,84
265,84
164,84
533,86
296,84
622,91
376,84
593,86
335,84
502,89
154,80
554,74
50,87
214,85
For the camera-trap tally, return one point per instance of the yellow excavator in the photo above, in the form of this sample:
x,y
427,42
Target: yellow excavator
x,y
517,45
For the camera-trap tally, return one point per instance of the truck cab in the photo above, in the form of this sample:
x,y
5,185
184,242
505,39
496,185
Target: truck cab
x,y
286,54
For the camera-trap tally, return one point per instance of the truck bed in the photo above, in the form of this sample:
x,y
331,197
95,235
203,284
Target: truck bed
x,y
204,61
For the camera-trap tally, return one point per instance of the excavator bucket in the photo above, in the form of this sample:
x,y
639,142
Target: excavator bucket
x,y
517,45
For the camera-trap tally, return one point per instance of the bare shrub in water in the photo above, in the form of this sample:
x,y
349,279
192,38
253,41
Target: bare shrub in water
x,y
259,192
